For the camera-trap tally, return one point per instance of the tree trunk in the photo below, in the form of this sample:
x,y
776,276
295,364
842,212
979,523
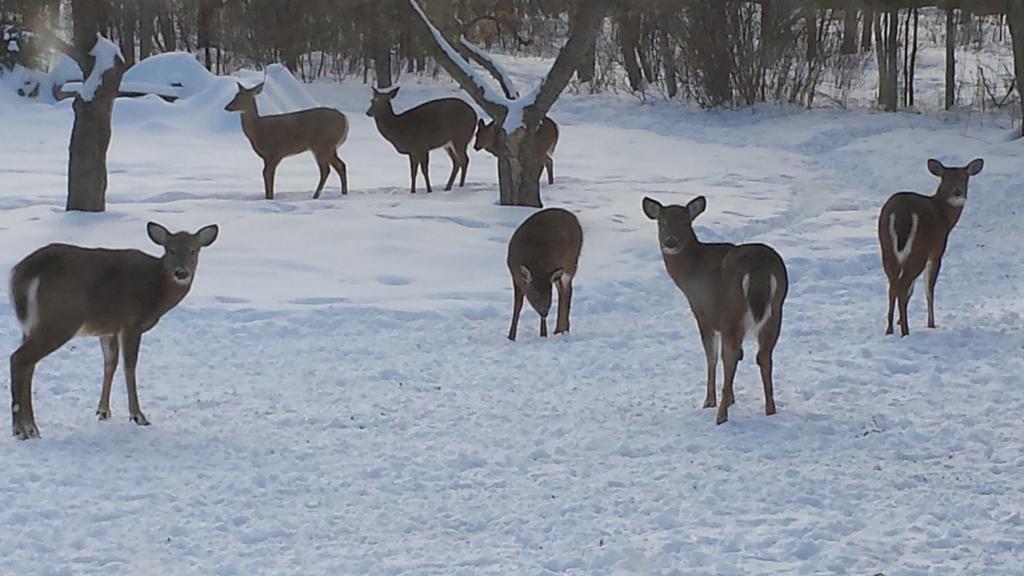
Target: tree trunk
x,y
811,29
629,35
380,46
129,22
668,59
950,60
90,134
519,170
870,18
1015,19
886,38
145,29
167,31
849,45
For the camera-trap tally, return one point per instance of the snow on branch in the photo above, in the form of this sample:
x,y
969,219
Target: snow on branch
x,y
106,54
477,54
479,88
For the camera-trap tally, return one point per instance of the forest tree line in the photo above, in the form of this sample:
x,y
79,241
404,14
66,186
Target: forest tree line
x,y
712,52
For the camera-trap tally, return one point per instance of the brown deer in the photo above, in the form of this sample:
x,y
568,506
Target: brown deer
x,y
62,291
447,123
276,137
734,292
913,230
544,250
547,139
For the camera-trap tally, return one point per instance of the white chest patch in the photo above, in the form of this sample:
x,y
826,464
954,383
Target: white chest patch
x,y
956,201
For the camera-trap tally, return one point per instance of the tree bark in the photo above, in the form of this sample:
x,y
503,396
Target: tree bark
x,y
146,16
668,59
629,35
849,45
866,28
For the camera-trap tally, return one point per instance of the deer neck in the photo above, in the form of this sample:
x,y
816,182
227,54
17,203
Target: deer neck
x,y
251,124
949,213
687,265
167,294
387,121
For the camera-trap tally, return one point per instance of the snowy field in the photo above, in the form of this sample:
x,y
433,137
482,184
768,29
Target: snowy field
x,y
337,396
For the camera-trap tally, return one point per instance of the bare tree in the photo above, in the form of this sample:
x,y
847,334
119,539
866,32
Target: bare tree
x,y
1015,18
518,118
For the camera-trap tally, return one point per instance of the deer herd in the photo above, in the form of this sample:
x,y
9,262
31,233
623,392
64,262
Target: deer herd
x,y
735,292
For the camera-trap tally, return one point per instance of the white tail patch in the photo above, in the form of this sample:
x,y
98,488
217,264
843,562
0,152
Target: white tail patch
x,y
750,325
32,307
901,255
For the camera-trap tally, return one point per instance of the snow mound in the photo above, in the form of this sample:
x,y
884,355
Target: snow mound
x,y
178,70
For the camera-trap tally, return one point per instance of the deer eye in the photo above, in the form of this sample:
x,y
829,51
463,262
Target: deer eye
x,y
192,252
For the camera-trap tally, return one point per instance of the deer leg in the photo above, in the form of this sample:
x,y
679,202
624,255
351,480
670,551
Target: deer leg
x,y
464,160
731,354
130,341
342,170
766,346
543,326
932,270
269,170
23,365
903,294
564,303
892,306
109,344
549,164
325,171
710,340
425,168
455,167
517,307
414,165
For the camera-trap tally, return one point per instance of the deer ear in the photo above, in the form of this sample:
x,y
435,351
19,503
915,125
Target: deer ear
x,y
975,166
157,233
240,87
525,272
697,206
258,88
652,208
480,124
936,167
394,92
207,234
556,275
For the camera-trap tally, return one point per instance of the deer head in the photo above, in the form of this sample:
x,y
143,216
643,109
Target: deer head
x,y
380,102
675,223
181,250
953,184
245,100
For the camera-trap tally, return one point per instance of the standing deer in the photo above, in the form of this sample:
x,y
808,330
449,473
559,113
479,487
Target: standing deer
x,y
913,230
62,291
276,137
733,291
544,250
447,123
547,139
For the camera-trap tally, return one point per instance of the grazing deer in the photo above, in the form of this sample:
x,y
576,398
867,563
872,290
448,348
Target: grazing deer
x,y
547,139
447,123
544,250
276,137
733,291
62,291
913,230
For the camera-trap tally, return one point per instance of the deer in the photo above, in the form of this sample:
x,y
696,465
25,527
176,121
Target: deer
x,y
61,291
275,137
735,292
546,140
544,250
913,230
445,123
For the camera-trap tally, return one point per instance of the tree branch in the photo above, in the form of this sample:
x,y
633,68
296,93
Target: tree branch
x,y
460,70
473,52
586,22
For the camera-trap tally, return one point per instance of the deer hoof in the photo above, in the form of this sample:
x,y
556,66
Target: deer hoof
x,y
103,413
140,419
710,403
888,331
769,410
722,418
25,431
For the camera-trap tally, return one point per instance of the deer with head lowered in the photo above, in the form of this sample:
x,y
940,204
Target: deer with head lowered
x,y
446,123
278,136
735,293
546,140
61,291
913,230
544,250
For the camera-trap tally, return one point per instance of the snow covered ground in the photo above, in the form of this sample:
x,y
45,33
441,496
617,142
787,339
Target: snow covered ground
x,y
337,396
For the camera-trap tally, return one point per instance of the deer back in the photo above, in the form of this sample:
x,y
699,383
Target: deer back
x,y
430,125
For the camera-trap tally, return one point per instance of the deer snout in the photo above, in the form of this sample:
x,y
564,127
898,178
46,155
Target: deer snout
x,y
670,245
182,275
